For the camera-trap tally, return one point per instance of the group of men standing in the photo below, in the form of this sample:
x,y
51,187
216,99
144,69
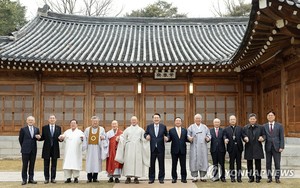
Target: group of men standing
x,y
133,151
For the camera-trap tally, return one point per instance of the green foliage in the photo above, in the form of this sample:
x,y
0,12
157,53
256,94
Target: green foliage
x,y
158,9
12,16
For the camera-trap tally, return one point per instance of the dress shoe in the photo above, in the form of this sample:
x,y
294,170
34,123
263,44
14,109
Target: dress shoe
x,y
161,181
195,179
203,180
257,180
239,180
89,181
136,181
75,180
32,182
232,180
251,180
183,181
46,181
215,179
269,180
277,181
127,181
23,183
151,181
110,180
95,180
53,181
117,180
174,181
68,180
223,180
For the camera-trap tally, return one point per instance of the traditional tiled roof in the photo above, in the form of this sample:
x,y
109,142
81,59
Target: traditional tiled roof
x,y
274,26
53,38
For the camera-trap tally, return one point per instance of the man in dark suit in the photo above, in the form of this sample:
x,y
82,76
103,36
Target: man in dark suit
x,y
178,137
254,136
233,136
27,138
217,150
274,145
50,134
157,134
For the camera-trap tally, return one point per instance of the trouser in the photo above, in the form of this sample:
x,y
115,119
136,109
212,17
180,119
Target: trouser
x,y
92,176
257,169
52,169
161,164
68,173
194,174
218,159
277,157
235,157
182,161
28,159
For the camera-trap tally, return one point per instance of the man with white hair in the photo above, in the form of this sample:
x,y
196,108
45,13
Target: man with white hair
x,y
96,146
198,135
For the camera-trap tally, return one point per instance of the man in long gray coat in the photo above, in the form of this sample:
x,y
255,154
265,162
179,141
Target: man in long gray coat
x,y
198,135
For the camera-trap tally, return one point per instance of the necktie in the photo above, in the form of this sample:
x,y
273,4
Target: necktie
x,y
31,131
52,130
156,130
179,132
217,132
271,128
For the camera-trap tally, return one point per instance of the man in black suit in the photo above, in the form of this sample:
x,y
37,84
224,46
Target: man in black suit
x,y
254,136
27,138
274,145
178,137
157,134
50,134
233,136
217,150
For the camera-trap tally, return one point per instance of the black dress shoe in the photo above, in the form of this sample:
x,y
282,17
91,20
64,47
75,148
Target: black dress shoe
x,y
117,180
269,180
183,181
161,181
53,181
151,181
277,181
136,181
68,180
32,182
223,180
75,180
251,180
95,180
23,183
46,181
174,181
239,180
257,180
110,180
127,181
232,180
203,180
89,181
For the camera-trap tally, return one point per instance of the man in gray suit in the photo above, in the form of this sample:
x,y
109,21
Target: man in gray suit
x,y
274,145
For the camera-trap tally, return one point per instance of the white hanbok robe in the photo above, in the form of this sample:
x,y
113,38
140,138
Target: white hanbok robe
x,y
198,148
73,149
95,153
134,152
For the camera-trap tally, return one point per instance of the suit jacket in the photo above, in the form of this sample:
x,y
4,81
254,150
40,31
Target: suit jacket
x,y
27,143
217,143
48,139
158,141
276,138
178,145
238,133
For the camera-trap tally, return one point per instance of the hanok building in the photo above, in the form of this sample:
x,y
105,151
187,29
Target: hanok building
x,y
77,67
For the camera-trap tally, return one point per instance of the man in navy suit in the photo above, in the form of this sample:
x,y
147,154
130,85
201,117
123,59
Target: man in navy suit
x,y
274,145
217,150
27,138
157,134
178,137
50,134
